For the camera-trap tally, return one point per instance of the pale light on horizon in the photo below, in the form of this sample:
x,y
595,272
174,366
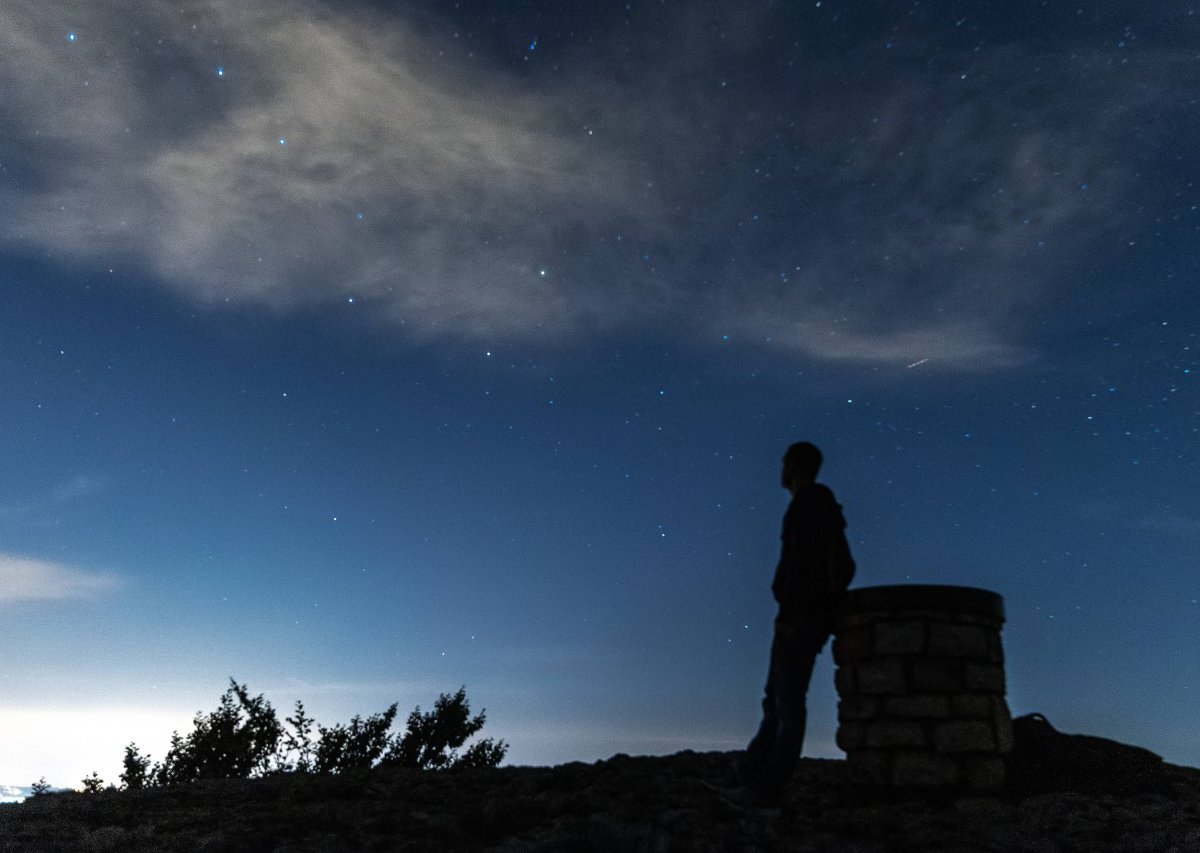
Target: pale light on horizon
x,y
62,745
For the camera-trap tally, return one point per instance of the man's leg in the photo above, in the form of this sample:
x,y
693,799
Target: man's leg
x,y
752,761
793,656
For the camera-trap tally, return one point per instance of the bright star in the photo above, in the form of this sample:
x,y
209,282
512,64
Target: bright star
x,y
72,36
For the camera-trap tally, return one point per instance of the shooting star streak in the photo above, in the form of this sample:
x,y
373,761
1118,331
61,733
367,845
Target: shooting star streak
x,y
917,363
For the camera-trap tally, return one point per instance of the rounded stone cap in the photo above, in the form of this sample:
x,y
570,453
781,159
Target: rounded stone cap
x,y
958,599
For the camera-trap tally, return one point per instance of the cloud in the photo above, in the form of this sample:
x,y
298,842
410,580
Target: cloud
x,y
24,579
1172,524
35,511
249,187
78,487
350,161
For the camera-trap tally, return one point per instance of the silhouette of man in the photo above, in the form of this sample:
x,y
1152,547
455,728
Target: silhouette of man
x,y
815,567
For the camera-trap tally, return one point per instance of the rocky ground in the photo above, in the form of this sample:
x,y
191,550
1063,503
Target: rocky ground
x,y
634,804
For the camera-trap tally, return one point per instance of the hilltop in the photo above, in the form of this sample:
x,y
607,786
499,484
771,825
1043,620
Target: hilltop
x,y
623,803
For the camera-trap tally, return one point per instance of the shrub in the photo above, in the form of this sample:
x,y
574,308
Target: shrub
x,y
41,786
432,739
93,784
354,747
240,738
243,738
298,741
137,768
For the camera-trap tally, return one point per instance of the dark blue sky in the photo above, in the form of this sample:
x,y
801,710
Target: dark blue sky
x,y
364,352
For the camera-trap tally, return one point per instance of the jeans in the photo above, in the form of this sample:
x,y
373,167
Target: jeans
x,y
775,750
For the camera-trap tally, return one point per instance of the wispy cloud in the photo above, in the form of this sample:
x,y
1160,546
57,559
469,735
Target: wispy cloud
x,y
36,509
1172,524
24,579
81,486
247,153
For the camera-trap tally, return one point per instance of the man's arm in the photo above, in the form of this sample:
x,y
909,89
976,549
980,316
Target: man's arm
x,y
815,565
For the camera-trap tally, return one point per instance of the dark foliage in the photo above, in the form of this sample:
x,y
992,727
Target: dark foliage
x,y
298,741
432,739
238,739
243,738
136,772
93,784
354,747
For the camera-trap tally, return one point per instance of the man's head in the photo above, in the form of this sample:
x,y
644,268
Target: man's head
x,y
800,465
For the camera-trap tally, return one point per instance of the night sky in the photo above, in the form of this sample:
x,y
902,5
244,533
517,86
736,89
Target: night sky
x,y
364,351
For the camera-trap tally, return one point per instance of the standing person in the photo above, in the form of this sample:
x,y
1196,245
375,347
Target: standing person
x,y
815,567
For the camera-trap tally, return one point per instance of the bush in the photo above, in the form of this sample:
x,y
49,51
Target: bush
x,y
137,768
93,784
432,739
298,741
243,738
237,740
354,747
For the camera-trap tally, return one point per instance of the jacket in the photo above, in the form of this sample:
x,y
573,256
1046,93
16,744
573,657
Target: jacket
x,y
815,565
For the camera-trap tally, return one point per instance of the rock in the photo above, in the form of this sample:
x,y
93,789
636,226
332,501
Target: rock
x,y
964,736
899,638
1044,759
889,733
637,803
881,675
921,705
958,641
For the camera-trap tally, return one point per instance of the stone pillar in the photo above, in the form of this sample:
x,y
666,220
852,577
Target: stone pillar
x,y
920,678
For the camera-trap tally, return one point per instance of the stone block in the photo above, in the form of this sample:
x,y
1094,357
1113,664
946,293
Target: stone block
x,y
856,707
984,676
852,645
918,616
844,680
979,619
980,705
982,773
925,705
885,734
952,617
871,767
899,638
851,736
958,641
937,675
995,648
923,770
1004,729
851,620
964,736
881,675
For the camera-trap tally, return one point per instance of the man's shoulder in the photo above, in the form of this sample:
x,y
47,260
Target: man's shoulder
x,y
810,500
816,493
